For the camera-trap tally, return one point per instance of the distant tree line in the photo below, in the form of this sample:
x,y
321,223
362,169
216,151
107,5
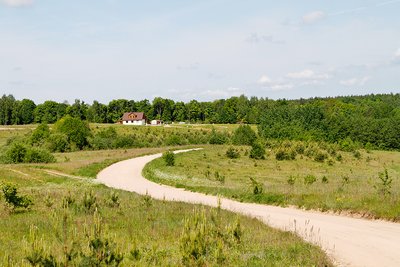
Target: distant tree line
x,y
372,120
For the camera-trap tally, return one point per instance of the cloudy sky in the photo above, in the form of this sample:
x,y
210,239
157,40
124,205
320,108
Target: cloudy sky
x,y
205,49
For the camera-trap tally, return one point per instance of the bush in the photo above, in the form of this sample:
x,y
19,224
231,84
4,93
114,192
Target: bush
x,y
217,138
257,151
256,187
58,143
291,180
169,158
285,154
244,135
15,153
173,140
76,130
385,185
320,156
37,155
40,134
124,141
12,199
232,153
357,154
310,179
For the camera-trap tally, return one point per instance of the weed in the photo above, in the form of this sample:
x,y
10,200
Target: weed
x,y
89,201
325,179
257,187
291,180
385,183
220,178
232,153
310,179
169,158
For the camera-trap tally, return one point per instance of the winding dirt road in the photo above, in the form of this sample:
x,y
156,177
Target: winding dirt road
x,y
348,241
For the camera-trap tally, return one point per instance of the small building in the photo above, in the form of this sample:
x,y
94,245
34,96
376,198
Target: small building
x,y
134,118
156,122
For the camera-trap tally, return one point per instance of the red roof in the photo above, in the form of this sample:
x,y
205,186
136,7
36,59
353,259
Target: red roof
x,y
133,116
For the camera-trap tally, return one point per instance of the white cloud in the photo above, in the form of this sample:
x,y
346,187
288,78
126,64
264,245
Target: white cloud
x,y
307,74
397,54
281,86
271,85
313,17
355,81
264,80
17,3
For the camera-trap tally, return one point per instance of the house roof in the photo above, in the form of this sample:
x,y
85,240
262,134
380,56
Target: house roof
x,y
133,116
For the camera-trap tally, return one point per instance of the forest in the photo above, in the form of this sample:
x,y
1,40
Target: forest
x,y
370,120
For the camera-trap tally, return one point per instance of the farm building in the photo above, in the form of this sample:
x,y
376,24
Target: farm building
x,y
134,118
156,122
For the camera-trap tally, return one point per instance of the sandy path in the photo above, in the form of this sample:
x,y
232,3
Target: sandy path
x,y
349,241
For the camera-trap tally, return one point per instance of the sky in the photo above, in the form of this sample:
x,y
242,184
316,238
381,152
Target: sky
x,y
199,49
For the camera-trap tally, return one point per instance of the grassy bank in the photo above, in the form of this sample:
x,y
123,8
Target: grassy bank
x,y
72,217
346,183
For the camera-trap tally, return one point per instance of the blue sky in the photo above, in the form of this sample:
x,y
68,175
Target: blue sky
x,y
205,50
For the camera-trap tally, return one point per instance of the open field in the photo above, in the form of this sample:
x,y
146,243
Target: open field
x,y
350,185
144,231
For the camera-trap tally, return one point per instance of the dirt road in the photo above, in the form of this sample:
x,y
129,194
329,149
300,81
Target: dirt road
x,y
348,241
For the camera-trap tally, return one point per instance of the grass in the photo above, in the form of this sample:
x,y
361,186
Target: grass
x,y
349,185
151,228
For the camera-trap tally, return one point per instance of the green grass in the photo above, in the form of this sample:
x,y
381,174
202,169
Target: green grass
x,y
153,229
196,171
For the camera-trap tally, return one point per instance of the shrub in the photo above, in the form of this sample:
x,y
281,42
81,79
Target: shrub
x,y
385,185
232,153
173,140
76,130
244,135
40,134
325,179
257,187
89,201
58,143
300,148
12,198
291,180
217,138
169,158
37,155
257,151
220,178
310,179
15,153
320,156
124,141
357,154
285,154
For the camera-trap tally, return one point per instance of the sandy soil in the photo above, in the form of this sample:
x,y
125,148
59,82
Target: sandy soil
x,y
348,241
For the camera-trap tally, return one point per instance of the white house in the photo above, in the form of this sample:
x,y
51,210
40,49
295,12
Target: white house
x,y
134,118
156,122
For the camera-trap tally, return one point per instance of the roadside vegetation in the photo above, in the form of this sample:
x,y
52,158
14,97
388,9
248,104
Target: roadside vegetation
x,y
49,220
308,175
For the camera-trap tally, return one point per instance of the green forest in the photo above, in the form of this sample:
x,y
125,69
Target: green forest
x,y
372,121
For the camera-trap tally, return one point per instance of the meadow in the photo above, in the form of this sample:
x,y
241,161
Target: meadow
x,y
76,222
318,177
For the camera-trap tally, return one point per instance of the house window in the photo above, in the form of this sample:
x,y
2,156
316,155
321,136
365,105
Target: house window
x,y
132,121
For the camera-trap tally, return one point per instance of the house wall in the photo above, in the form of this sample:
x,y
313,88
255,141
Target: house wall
x,y
135,122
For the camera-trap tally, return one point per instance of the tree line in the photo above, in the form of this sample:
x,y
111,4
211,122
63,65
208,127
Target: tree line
x,y
372,120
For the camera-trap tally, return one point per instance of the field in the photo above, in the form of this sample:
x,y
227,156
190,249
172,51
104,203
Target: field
x,y
77,221
348,183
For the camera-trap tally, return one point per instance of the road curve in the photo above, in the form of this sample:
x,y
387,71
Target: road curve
x,y
348,241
